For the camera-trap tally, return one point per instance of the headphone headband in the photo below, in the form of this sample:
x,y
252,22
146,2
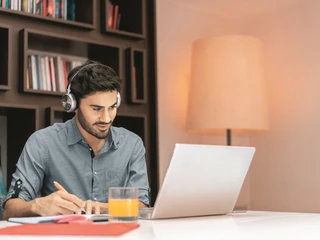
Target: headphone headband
x,y
69,84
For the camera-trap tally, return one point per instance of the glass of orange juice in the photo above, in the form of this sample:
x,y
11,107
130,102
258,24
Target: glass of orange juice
x,y
123,204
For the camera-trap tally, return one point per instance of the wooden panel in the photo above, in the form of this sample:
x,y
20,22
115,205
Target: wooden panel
x,y
4,57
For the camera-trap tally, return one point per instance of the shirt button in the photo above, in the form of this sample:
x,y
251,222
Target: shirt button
x,y
95,198
95,172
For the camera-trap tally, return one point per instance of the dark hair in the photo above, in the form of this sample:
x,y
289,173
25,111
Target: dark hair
x,y
92,77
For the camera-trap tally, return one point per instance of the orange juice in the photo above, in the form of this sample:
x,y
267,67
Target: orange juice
x,y
123,207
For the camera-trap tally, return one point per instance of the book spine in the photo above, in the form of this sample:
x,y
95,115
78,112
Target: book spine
x,y
57,9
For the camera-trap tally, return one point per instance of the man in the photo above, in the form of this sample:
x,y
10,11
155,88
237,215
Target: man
x,y
86,154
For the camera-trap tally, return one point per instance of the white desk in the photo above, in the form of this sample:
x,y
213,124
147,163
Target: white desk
x,y
250,225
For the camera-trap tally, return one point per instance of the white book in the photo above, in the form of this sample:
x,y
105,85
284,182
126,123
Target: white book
x,y
65,9
34,72
43,74
47,73
63,218
62,87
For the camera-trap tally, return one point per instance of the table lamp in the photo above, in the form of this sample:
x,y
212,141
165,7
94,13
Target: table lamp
x,y
227,89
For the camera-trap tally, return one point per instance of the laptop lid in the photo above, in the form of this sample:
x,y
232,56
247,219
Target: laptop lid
x,y
202,180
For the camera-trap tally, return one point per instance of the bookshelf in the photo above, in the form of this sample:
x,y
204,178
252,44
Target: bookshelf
x,y
26,108
81,19
136,75
122,17
4,57
56,115
17,132
41,44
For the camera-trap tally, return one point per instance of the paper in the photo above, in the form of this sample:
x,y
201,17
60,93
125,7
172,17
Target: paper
x,y
64,218
97,217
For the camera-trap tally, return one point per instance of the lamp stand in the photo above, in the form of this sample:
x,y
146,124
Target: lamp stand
x,y
228,137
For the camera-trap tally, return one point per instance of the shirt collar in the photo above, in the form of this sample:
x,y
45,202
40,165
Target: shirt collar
x,y
74,135
114,137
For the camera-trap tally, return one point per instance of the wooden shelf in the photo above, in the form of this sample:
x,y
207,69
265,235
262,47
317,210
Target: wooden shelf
x,y
5,47
130,14
136,124
56,115
44,43
83,19
17,132
136,75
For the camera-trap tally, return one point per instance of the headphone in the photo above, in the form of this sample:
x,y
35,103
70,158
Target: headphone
x,y
69,101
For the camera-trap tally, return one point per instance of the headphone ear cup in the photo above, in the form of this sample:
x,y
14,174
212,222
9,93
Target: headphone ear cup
x,y
69,102
118,100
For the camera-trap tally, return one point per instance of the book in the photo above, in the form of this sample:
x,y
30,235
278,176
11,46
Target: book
x,y
60,218
115,16
110,14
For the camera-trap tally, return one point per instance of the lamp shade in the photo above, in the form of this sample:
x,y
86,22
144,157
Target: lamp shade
x,y
227,88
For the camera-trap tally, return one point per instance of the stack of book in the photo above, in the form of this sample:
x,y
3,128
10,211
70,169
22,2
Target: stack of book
x,y
64,9
113,16
49,73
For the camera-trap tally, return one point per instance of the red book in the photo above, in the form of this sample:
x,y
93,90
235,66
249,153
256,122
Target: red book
x,y
115,16
62,10
45,7
110,14
51,8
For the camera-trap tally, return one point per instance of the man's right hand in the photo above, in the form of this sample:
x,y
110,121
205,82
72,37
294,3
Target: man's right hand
x,y
57,203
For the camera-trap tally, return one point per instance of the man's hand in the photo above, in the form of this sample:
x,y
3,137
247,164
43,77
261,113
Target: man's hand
x,y
93,207
59,202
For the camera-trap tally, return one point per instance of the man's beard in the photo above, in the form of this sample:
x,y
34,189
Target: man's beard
x,y
89,129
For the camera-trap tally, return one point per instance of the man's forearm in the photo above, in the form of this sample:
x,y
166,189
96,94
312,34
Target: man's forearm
x,y
18,208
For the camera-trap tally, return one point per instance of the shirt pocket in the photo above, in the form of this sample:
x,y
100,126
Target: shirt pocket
x,y
114,178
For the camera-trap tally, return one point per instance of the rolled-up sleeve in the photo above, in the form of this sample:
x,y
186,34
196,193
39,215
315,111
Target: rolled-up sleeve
x,y
138,175
30,169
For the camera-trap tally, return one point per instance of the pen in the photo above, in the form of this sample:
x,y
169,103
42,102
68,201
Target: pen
x,y
59,187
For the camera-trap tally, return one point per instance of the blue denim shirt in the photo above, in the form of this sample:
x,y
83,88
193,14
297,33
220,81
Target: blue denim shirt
x,y
59,153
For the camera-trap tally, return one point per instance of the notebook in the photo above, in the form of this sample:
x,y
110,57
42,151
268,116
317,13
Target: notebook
x,y
201,180
60,218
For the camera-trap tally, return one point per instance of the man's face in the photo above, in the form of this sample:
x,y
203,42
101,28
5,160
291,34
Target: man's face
x,y
97,112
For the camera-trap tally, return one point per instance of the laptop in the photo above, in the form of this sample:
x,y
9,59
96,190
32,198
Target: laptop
x,y
201,180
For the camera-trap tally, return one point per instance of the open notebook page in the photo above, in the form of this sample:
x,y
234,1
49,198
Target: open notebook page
x,y
35,220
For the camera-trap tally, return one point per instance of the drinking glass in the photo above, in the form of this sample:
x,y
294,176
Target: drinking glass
x,y
123,204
